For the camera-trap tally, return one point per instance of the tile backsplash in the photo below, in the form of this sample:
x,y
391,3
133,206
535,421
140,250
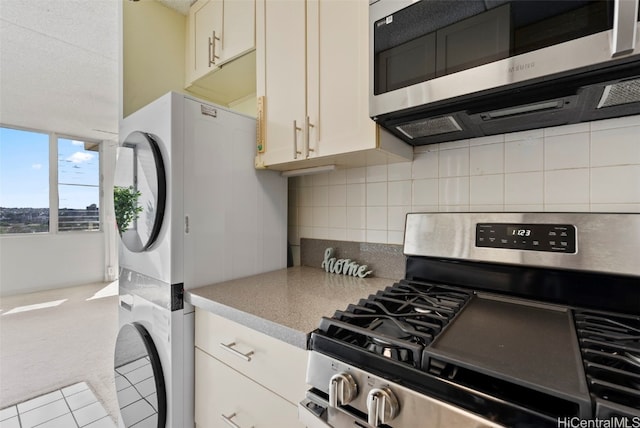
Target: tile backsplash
x,y
584,167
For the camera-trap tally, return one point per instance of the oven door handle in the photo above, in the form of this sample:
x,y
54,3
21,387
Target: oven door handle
x,y
312,414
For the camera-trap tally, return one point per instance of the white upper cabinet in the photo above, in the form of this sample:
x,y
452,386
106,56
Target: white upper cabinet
x,y
218,31
312,70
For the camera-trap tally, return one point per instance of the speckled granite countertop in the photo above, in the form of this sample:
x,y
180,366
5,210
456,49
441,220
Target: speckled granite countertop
x,y
286,304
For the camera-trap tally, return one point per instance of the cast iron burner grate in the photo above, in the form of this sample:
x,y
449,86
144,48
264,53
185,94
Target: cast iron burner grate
x,y
398,322
610,346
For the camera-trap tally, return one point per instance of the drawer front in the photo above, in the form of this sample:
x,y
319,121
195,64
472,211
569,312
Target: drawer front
x,y
274,364
221,393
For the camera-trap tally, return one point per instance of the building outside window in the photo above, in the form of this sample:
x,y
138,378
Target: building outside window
x,y
48,183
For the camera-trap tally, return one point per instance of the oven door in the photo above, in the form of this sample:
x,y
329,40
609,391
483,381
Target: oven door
x,y
429,51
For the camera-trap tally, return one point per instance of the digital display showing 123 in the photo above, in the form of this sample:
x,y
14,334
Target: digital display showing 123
x,y
518,231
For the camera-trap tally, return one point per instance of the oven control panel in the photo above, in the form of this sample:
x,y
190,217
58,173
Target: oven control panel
x,y
556,238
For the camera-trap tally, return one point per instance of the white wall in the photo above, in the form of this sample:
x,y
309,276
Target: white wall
x,y
585,167
45,261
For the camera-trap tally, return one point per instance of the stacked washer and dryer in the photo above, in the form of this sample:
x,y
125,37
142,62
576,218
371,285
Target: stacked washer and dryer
x,y
191,210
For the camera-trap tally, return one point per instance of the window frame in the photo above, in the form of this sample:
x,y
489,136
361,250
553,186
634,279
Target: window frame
x,y
54,201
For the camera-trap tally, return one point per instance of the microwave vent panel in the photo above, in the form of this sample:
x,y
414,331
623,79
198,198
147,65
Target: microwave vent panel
x,y
429,126
619,93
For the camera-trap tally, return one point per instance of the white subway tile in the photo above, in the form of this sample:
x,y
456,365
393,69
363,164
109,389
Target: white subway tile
x,y
396,217
306,232
425,165
424,208
293,182
567,208
356,195
454,162
377,218
338,195
395,237
306,181
566,186
486,189
619,146
486,208
338,217
454,191
425,192
356,175
377,236
320,196
321,216
615,184
292,215
321,179
532,134
566,151
619,122
453,208
524,208
356,217
524,155
486,159
615,208
320,233
453,145
305,197
376,173
295,252
567,129
399,193
524,188
399,171
357,235
490,139
305,216
376,194
292,195
425,148
339,176
338,234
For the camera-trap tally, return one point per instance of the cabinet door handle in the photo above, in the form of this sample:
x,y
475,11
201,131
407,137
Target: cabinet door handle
x,y
295,140
229,347
307,130
625,13
212,49
228,420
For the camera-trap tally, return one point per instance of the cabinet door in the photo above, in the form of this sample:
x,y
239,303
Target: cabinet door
x,y
238,32
285,80
221,393
338,90
205,18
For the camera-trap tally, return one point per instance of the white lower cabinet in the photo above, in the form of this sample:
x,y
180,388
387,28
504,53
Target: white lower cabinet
x,y
223,393
245,376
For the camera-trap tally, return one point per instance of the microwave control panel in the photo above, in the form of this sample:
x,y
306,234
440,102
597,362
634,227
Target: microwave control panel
x,y
556,238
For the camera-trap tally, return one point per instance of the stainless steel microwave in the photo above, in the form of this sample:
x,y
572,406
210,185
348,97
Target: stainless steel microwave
x,y
444,70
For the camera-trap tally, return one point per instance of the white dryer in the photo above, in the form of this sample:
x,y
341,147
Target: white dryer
x,y
191,210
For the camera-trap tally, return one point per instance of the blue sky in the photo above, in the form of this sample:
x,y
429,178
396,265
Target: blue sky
x,y
24,171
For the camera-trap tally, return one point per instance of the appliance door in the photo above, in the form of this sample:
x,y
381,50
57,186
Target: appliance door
x,y
428,51
139,191
139,380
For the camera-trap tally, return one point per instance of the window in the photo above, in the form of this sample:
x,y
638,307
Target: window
x,y
78,185
24,181
28,185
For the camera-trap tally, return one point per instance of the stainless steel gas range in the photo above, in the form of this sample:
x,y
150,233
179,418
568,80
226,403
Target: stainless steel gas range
x,y
502,319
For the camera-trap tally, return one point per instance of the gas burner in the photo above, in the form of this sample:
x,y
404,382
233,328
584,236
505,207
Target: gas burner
x,y
390,327
423,310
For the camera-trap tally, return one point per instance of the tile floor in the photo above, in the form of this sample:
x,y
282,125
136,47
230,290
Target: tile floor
x,y
72,407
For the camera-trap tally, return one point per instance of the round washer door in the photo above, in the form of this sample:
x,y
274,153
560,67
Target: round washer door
x,y
139,380
139,191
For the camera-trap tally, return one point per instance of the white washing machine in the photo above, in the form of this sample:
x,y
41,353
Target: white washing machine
x,y
192,210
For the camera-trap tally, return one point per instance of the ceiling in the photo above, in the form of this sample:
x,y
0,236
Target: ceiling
x,y
59,65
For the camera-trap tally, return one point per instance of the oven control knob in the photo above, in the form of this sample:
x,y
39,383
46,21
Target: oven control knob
x,y
382,406
342,389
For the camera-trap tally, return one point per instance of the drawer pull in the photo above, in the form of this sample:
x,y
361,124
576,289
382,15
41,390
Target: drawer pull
x,y
229,422
229,347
